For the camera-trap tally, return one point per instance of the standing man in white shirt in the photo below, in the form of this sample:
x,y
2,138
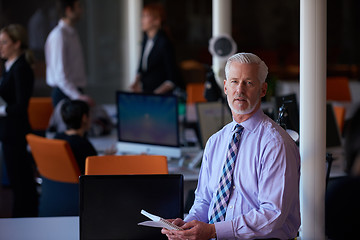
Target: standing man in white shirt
x,y
65,70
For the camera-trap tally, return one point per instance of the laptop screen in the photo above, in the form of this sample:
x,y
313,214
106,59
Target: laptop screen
x,y
110,205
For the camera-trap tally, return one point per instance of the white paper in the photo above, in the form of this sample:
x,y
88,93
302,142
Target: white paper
x,y
158,222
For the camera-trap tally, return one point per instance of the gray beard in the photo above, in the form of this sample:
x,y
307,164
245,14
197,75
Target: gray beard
x,y
248,110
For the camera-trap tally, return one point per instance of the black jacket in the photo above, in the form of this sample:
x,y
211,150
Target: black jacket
x,y
16,87
161,63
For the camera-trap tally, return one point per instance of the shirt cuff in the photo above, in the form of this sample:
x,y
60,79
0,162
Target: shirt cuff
x,y
224,230
170,83
3,111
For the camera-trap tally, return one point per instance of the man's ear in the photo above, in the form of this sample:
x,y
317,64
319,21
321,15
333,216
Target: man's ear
x,y
264,89
225,89
85,118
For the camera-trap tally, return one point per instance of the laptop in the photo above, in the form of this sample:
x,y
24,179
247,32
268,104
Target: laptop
x,y
110,205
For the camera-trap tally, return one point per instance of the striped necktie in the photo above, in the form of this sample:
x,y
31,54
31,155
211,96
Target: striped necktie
x,y
225,183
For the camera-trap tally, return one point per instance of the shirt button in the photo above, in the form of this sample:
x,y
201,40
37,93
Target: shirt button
x,y
231,207
233,187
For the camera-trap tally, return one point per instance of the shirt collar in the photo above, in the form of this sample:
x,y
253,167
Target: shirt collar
x,y
251,123
64,25
8,64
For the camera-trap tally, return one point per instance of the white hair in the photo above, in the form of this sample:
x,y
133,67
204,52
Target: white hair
x,y
248,58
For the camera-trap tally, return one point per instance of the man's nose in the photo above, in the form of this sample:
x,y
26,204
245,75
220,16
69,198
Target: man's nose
x,y
241,87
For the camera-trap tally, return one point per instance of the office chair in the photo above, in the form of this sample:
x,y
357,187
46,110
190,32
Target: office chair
x,y
39,111
339,112
337,89
126,164
60,176
195,92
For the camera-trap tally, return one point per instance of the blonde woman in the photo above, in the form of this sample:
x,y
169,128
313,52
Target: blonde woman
x,y
16,87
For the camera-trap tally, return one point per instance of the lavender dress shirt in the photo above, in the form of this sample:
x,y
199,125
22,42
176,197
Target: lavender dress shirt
x,y
264,202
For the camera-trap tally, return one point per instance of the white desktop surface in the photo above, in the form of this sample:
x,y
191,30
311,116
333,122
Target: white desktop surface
x,y
41,228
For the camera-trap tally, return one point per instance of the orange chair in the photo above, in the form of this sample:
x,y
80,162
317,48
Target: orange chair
x,y
337,89
195,93
126,164
339,112
60,176
39,111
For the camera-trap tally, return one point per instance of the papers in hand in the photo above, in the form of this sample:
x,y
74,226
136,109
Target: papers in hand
x,y
158,222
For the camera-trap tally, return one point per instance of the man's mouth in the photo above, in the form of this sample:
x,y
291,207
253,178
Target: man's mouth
x,y
240,99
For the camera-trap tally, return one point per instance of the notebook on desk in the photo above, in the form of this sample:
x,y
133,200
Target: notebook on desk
x,y
110,205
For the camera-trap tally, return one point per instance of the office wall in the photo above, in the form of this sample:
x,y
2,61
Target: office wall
x,y
105,45
269,28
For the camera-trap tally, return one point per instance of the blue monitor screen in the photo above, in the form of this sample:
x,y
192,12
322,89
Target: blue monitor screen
x,y
148,119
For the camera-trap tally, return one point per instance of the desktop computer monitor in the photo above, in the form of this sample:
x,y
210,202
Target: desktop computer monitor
x,y
148,123
212,116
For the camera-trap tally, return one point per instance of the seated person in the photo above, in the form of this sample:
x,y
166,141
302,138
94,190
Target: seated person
x,y
99,123
75,114
248,185
342,195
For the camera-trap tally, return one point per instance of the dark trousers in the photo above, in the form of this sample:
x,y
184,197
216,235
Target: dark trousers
x,y
20,170
57,95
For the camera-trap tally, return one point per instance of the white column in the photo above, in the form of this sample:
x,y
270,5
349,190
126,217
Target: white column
x,y
312,118
134,37
221,24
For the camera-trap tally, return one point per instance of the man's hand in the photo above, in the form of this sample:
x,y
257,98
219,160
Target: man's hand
x,y
87,99
136,86
194,230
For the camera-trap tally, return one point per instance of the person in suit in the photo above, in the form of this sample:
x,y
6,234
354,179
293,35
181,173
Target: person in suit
x,y
157,72
16,88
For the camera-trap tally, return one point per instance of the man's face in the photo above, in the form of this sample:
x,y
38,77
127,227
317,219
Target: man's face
x,y
243,88
75,13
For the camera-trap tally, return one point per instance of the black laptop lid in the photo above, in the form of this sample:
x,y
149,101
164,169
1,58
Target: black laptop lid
x,y
110,205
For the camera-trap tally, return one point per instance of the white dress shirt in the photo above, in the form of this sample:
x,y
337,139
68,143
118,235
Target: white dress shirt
x,y
64,60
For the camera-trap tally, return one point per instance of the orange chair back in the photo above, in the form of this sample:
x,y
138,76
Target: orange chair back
x,y
54,159
195,93
39,111
126,164
337,89
339,112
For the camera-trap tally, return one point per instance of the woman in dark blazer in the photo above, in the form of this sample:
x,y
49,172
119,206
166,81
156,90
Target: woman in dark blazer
x,y
157,71
16,87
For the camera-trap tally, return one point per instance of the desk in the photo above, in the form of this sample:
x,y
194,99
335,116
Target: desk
x,y
175,166
41,228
